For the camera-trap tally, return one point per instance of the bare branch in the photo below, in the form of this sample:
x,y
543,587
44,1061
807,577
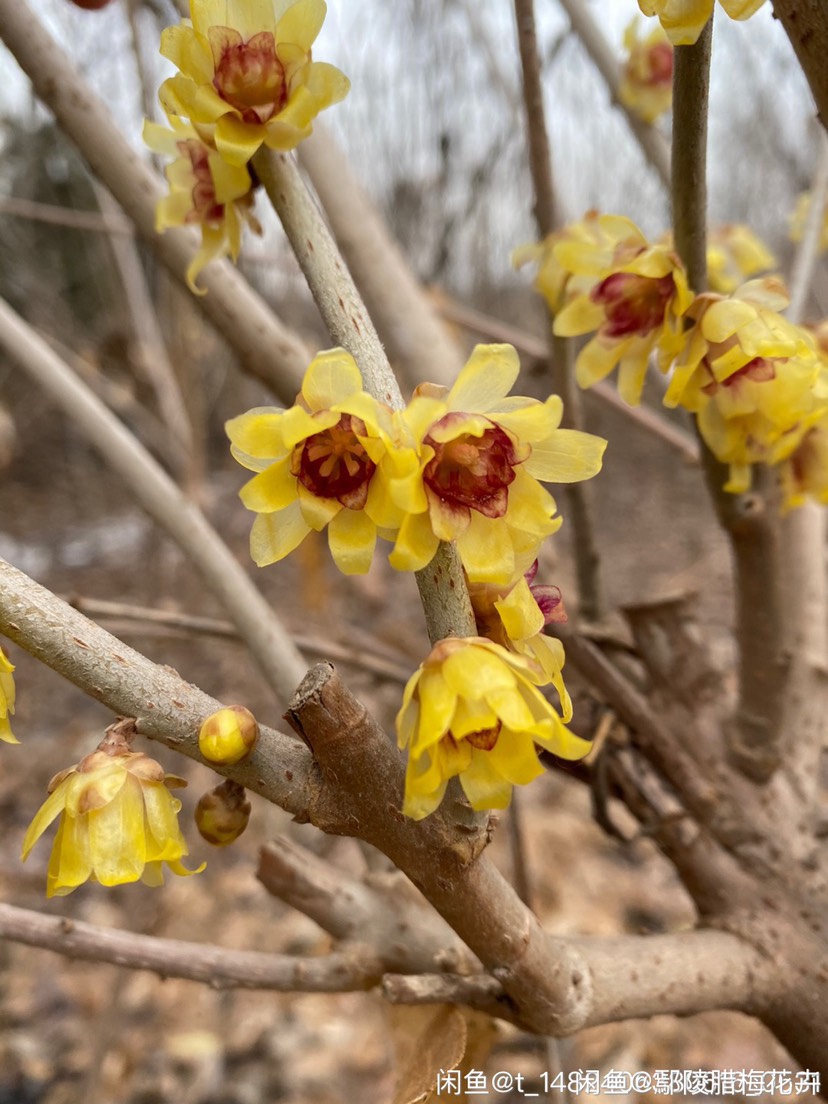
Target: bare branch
x,y
806,25
418,343
166,707
267,349
651,142
272,647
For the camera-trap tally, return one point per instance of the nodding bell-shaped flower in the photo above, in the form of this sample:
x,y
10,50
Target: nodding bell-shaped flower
x,y
118,819
684,20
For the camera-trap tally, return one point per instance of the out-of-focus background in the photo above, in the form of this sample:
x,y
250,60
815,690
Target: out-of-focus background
x,y
434,129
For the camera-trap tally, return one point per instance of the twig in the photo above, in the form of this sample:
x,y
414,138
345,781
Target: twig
x,y
691,87
649,139
267,349
442,586
65,216
166,707
212,626
262,631
807,28
805,259
416,339
578,495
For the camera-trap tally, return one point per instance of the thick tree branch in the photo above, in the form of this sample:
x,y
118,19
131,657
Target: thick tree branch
x,y
278,658
267,349
806,25
166,707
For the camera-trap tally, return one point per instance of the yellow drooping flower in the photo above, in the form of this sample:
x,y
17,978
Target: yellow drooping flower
x,y
749,375
684,20
647,73
6,699
474,710
481,456
119,822
205,191
319,465
735,254
799,217
246,67
632,293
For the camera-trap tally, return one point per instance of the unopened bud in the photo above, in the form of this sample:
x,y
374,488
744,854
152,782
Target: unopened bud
x,y
228,736
222,814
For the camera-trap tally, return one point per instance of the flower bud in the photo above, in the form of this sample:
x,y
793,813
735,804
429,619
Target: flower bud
x,y
222,814
228,736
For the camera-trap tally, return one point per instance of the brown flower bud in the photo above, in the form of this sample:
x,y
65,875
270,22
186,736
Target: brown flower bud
x,y
222,814
228,736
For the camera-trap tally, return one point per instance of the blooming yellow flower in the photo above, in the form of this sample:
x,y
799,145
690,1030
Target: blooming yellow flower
x,y
749,375
318,466
799,217
633,293
204,191
684,20
481,456
474,710
119,822
647,73
735,254
245,66
6,699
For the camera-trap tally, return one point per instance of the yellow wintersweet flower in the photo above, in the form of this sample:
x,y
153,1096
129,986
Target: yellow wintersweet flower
x,y
750,376
799,217
119,822
481,457
514,617
474,710
647,73
245,66
804,474
6,699
684,20
735,254
633,293
318,466
204,190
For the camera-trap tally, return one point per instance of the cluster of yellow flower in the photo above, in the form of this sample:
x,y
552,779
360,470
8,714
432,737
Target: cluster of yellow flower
x,y
462,465
246,79
757,383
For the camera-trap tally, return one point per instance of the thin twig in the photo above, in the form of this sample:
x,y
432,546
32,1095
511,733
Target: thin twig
x,y
578,495
280,662
442,586
65,216
649,139
267,348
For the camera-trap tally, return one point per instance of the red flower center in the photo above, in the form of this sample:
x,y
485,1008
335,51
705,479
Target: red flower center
x,y
334,463
486,738
248,75
205,208
474,472
633,304
660,65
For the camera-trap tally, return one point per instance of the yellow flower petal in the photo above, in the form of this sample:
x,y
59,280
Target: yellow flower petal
x,y
487,377
273,536
352,537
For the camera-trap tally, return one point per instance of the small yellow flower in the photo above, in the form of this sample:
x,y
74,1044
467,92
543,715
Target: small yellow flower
x,y
6,699
735,254
633,293
481,457
474,710
647,73
799,217
684,20
318,466
204,191
245,67
119,822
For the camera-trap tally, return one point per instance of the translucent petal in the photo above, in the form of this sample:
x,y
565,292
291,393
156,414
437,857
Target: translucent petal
x,y
566,456
437,704
721,320
316,511
510,706
415,545
520,613
578,317
483,785
273,536
235,140
161,811
488,376
472,716
563,743
273,489
331,377
258,432
486,550
470,669
514,757
352,537
302,23
531,421
117,840
596,360
52,807
70,864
